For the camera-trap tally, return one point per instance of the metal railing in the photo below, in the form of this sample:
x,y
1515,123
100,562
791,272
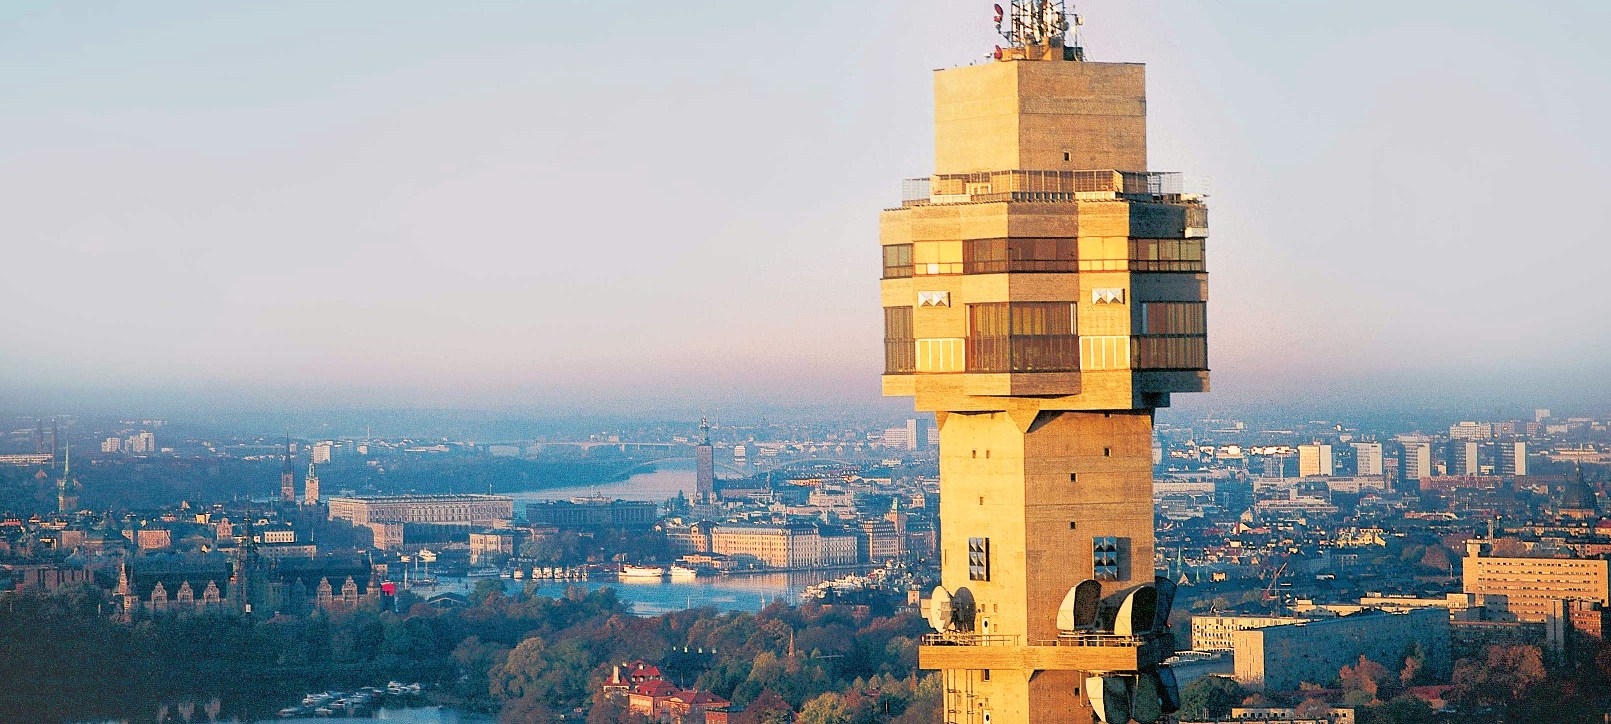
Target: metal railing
x,y
953,638
1038,186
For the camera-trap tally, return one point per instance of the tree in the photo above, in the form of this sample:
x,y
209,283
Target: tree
x,y
1500,677
1210,697
767,708
1365,677
826,708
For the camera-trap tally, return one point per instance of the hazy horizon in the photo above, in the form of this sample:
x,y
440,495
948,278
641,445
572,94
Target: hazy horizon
x,y
518,207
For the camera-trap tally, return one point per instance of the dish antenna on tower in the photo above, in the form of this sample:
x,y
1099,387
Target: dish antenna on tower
x,y
1039,23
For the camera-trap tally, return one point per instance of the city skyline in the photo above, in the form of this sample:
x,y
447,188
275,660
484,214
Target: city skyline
x,y
338,207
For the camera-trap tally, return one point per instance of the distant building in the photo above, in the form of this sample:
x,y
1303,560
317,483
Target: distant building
x,y
310,487
1463,457
1368,458
795,545
470,509
593,513
490,544
704,466
1512,458
1535,587
111,445
1281,658
1416,463
1314,460
1218,633
321,451
1470,431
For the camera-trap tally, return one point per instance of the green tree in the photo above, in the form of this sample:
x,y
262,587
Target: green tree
x,y
1210,697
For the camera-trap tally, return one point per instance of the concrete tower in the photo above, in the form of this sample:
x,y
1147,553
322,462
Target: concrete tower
x,y
704,466
287,477
1043,294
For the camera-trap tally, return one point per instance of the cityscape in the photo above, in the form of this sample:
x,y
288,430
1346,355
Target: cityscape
x,y
1054,506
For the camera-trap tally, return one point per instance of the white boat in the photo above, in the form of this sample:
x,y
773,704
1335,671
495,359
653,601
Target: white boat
x,y
631,571
488,572
683,573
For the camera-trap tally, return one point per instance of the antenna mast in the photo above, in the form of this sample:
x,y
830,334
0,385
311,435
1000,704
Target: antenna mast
x,y
1033,27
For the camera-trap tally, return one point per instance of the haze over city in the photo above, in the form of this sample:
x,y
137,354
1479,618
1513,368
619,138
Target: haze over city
x,y
541,205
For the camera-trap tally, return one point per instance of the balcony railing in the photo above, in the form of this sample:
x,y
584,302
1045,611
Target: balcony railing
x,y
987,186
953,638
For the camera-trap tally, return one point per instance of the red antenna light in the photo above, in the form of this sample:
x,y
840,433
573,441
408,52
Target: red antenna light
x,y
999,14
998,52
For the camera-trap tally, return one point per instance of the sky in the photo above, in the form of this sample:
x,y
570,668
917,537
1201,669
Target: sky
x,y
539,205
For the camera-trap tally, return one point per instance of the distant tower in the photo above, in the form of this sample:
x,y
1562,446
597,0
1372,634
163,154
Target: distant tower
x,y
54,430
66,487
704,466
1043,294
287,476
310,487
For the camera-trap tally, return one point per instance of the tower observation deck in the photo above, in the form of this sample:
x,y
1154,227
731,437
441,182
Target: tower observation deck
x,y
1043,294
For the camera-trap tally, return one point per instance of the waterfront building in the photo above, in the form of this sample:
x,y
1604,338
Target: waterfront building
x,y
467,509
794,545
593,513
492,544
1043,295
1281,658
704,466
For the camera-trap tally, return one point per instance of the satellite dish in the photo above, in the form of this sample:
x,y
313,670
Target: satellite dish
x,y
1078,610
1166,601
1137,611
940,609
1147,706
962,610
1110,697
1169,688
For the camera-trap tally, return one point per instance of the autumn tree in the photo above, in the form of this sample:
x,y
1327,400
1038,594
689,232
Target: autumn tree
x,y
1500,677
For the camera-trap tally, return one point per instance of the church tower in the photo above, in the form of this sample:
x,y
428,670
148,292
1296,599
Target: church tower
x,y
1043,294
310,487
287,476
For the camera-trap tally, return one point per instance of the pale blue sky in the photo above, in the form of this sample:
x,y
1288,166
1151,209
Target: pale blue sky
x,y
517,203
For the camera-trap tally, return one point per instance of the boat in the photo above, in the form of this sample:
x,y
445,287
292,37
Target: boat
x,y
683,573
488,572
520,574
630,571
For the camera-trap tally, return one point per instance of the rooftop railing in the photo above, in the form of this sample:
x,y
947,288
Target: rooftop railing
x,y
989,186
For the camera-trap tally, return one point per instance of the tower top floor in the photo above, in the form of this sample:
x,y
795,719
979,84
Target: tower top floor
x,y
1040,115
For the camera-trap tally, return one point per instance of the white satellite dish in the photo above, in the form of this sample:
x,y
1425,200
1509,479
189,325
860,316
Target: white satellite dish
x,y
1137,611
1110,697
940,609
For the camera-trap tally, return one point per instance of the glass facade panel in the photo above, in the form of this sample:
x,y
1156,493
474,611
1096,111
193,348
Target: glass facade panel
x,y
1173,336
897,261
994,256
1167,255
1022,337
900,348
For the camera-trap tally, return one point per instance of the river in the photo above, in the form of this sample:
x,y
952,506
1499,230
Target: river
x,y
658,485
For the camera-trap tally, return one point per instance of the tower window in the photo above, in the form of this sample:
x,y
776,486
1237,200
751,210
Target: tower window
x,y
1068,156
1107,452
1022,337
900,346
1073,477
